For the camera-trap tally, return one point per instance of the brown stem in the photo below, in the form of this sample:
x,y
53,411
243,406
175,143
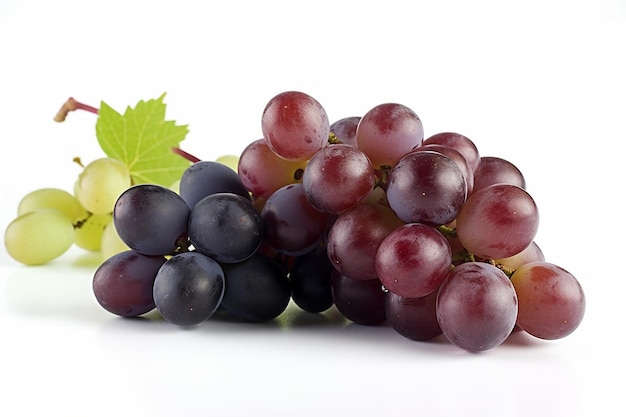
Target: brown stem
x,y
70,105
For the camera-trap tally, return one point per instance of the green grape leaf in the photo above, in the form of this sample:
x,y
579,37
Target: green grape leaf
x,y
143,140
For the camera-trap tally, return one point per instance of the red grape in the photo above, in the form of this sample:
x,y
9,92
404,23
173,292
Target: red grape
x,y
476,306
413,260
295,125
498,221
387,132
551,300
337,178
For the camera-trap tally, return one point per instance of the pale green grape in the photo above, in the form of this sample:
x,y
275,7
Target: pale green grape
x,y
230,161
55,198
175,186
111,243
39,236
89,232
101,183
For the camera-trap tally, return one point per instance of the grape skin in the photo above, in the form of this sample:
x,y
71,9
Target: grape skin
x,y
257,289
461,143
52,198
532,253
111,243
551,300
310,281
413,318
123,283
387,132
426,187
151,219
337,178
88,233
262,171
494,170
292,225
188,288
295,125
352,247
454,155
37,237
209,177
345,130
413,260
361,301
498,221
476,306
226,227
100,184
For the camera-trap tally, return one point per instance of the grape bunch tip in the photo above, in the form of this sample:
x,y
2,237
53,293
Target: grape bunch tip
x,y
365,215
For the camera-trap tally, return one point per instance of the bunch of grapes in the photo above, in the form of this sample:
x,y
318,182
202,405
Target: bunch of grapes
x,y
364,214
51,220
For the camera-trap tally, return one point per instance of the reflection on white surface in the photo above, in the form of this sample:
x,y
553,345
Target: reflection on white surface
x,y
82,360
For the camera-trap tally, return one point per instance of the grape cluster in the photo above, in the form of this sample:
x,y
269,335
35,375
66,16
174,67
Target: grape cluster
x,y
51,220
364,214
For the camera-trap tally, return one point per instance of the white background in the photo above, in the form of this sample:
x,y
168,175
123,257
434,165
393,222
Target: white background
x,y
541,83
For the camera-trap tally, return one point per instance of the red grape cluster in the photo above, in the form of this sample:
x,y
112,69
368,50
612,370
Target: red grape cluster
x,y
367,215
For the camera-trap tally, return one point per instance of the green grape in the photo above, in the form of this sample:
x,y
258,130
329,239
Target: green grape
x,y
111,244
39,236
100,183
52,198
231,161
89,232
175,186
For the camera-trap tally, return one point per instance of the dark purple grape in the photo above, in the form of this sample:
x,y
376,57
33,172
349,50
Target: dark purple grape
x,y
310,281
151,219
476,306
413,318
226,227
426,187
292,225
257,289
361,301
209,177
122,284
188,288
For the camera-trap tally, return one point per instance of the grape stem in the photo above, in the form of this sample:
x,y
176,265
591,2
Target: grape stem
x,y
507,270
70,105
447,231
186,155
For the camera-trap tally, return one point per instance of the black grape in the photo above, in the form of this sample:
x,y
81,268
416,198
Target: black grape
x,y
188,288
226,227
310,281
209,177
151,219
361,301
257,289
